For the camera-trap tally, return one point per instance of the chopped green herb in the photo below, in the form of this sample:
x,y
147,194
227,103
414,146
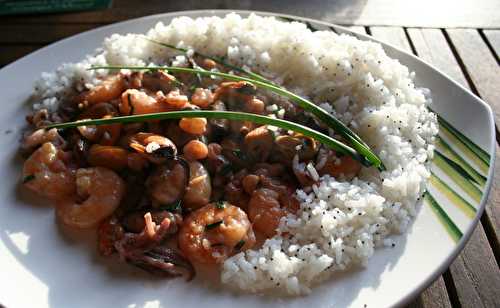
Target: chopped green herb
x,y
213,225
225,169
220,204
174,207
239,154
239,245
28,178
360,150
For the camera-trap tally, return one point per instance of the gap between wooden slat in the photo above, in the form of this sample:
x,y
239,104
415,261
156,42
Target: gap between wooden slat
x,y
450,287
37,34
465,73
435,296
469,261
423,13
478,60
492,38
431,296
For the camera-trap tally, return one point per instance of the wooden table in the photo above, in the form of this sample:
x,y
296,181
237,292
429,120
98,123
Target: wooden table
x,y
465,45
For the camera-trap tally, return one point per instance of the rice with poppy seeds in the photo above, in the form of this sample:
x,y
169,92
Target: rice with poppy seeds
x,y
340,222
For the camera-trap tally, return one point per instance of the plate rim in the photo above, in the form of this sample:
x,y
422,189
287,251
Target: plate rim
x,y
413,293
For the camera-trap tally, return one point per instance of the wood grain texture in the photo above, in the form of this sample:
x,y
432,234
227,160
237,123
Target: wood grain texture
x,y
392,35
493,37
480,65
462,13
9,53
432,47
435,296
475,270
357,29
485,74
475,273
37,34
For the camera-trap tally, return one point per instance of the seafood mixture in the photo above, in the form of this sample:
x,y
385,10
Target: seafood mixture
x,y
165,195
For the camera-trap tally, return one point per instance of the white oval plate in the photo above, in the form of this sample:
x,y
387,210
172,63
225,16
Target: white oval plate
x,y
40,266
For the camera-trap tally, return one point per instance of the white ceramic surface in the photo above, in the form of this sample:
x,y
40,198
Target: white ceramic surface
x,y
40,266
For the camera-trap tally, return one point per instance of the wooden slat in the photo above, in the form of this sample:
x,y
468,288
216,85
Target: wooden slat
x,y
14,52
485,73
392,35
480,64
432,47
475,273
435,296
493,37
423,13
30,34
477,258
357,29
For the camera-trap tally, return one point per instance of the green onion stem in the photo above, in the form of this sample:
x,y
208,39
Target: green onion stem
x,y
324,116
236,68
215,59
230,115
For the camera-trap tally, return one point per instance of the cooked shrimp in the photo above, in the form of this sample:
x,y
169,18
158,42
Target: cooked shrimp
x,y
199,188
98,111
202,97
157,81
254,105
335,165
214,232
155,148
234,90
194,126
287,146
137,102
101,191
103,134
48,173
268,206
41,136
265,212
167,184
108,90
259,143
112,157
195,150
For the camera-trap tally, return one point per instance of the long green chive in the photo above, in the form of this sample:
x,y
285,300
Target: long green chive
x,y
241,70
230,115
338,126
239,154
236,68
213,225
215,59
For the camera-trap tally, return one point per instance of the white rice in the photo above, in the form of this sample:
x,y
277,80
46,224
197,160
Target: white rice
x,y
339,223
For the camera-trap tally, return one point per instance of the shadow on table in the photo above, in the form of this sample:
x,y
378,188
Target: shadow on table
x,y
336,10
